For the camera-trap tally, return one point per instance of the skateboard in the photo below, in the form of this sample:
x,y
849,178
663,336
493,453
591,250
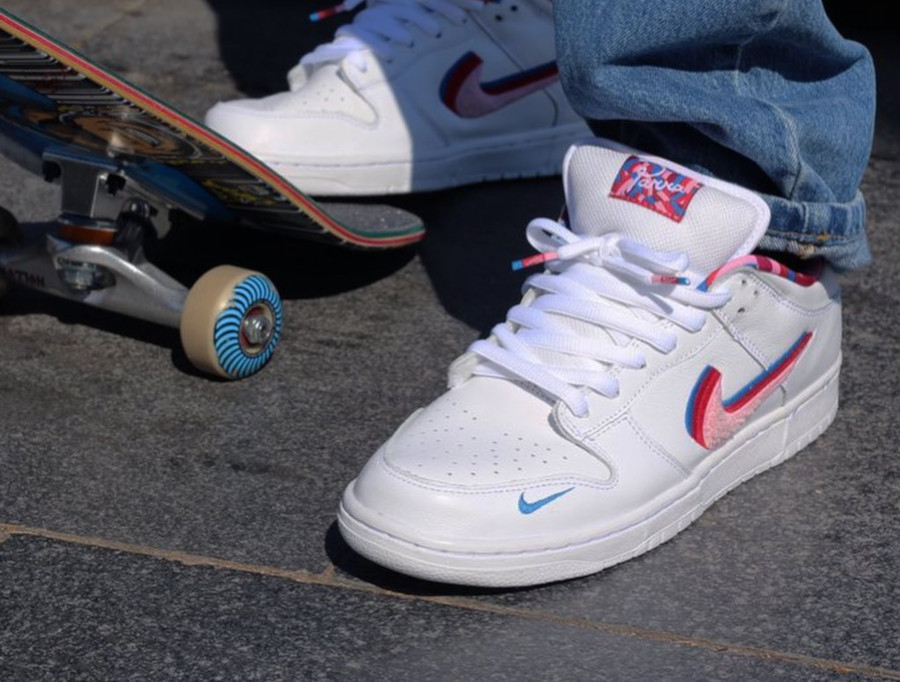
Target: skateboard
x,y
129,166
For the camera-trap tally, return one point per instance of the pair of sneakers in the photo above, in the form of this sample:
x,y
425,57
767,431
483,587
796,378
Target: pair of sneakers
x,y
654,361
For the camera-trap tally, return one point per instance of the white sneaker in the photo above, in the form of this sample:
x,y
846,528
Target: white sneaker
x,y
651,368
416,95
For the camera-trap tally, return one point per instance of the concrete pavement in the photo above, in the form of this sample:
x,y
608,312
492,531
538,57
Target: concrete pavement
x,y
155,524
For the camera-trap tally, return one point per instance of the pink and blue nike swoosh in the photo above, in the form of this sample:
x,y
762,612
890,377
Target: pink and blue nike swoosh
x,y
463,92
530,507
711,421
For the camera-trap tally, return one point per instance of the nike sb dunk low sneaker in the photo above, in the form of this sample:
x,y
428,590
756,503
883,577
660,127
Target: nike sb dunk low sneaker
x,y
654,364
416,95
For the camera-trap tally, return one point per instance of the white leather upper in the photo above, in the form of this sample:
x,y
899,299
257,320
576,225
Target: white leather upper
x,y
452,477
388,110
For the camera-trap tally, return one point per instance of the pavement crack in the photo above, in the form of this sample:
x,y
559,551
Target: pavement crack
x,y
329,573
329,578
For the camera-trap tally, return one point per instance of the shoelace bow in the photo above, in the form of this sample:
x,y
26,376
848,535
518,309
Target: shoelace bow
x,y
612,283
383,26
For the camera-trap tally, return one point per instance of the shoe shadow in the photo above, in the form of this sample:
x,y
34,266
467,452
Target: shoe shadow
x,y
359,568
260,45
474,233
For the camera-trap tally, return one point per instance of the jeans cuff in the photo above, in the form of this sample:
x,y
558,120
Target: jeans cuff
x,y
834,231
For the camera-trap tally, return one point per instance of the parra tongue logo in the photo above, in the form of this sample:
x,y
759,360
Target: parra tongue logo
x,y
656,187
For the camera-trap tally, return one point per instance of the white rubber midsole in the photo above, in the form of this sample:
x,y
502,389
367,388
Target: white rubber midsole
x,y
760,446
537,154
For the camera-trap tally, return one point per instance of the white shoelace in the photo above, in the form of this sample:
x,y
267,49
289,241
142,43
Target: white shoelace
x,y
617,286
383,26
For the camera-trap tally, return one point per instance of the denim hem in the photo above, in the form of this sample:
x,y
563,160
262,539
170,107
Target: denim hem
x,y
832,231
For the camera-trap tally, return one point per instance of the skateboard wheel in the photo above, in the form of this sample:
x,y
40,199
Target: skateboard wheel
x,y
231,322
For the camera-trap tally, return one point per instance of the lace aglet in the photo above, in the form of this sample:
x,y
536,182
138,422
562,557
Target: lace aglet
x,y
669,279
325,13
531,261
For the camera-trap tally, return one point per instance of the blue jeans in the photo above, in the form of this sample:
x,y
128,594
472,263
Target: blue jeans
x,y
763,93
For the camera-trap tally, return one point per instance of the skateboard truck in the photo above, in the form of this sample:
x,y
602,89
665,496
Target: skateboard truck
x,y
230,320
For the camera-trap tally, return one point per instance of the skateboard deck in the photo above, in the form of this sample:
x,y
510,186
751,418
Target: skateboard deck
x,y
129,165
55,102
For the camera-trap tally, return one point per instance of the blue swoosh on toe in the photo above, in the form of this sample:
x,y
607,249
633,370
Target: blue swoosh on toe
x,y
526,507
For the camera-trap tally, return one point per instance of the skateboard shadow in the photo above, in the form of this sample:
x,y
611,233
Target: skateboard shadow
x,y
299,268
191,248
22,301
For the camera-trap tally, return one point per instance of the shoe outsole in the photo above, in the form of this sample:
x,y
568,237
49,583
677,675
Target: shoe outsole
x,y
790,429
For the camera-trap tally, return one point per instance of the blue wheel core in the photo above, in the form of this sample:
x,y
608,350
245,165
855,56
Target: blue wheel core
x,y
247,331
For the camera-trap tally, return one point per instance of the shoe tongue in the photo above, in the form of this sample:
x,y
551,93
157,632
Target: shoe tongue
x,y
666,207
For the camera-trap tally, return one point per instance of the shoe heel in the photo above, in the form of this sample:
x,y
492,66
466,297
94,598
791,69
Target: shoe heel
x,y
814,415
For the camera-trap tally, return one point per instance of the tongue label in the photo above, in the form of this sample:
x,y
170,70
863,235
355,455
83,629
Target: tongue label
x,y
656,187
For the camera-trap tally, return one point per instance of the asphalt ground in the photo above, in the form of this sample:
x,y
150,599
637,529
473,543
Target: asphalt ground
x,y
156,524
